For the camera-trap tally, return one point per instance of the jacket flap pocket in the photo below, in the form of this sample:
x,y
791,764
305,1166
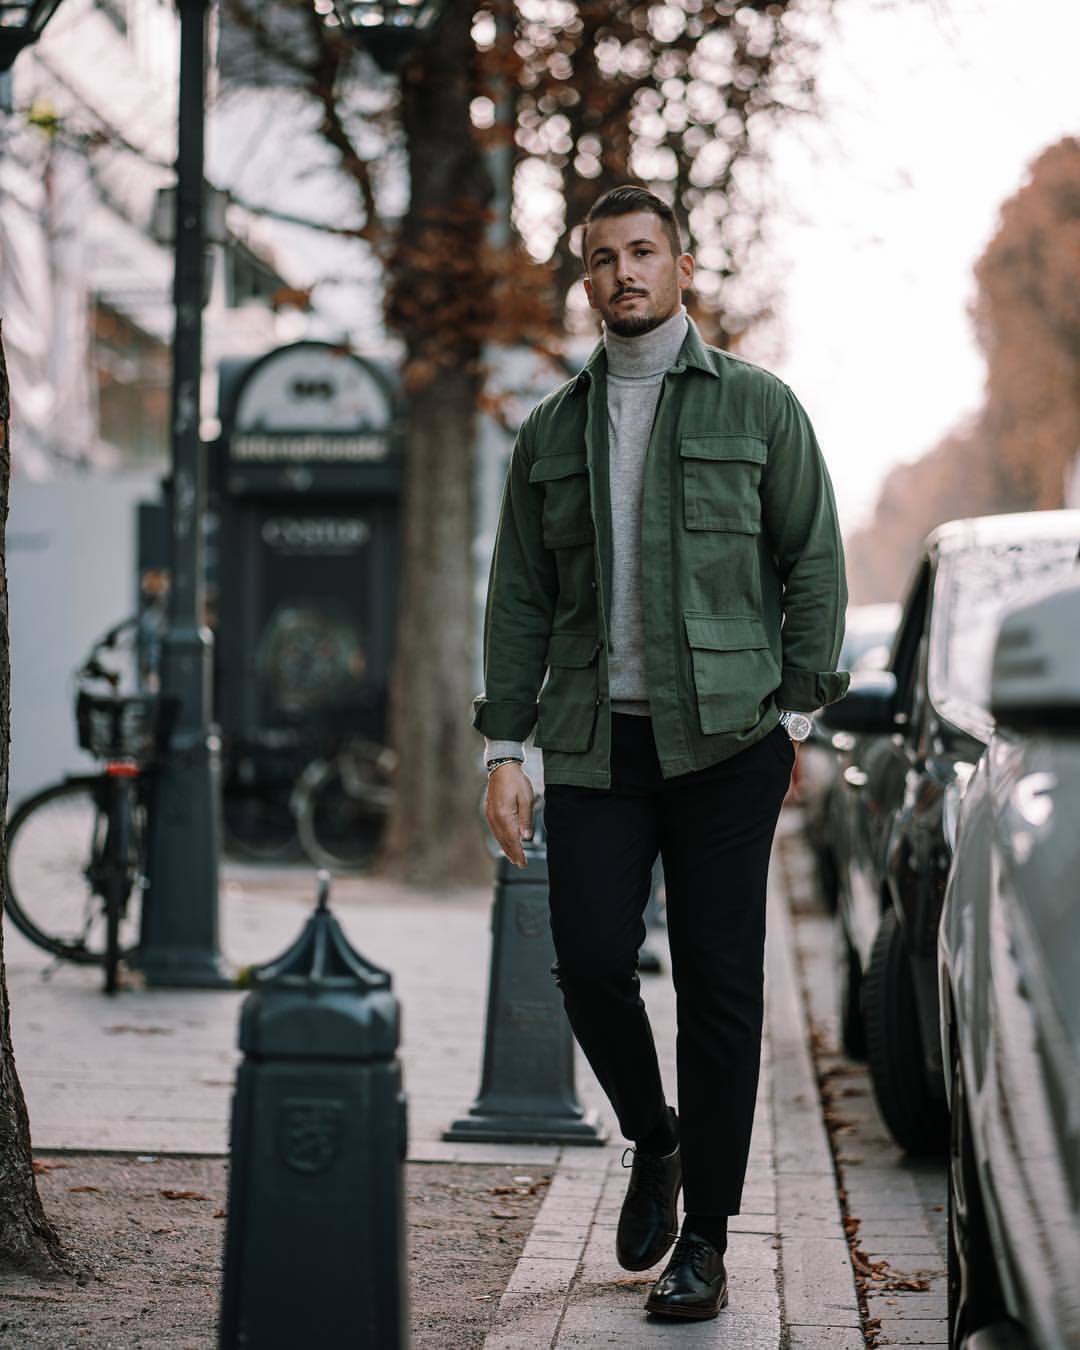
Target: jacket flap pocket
x,y
724,633
752,448
550,467
572,649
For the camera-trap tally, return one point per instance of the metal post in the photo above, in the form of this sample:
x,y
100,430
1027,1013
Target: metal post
x,y
179,939
527,1092
315,1242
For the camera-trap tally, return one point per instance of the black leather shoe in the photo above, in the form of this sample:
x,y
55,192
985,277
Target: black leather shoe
x,y
694,1283
647,1222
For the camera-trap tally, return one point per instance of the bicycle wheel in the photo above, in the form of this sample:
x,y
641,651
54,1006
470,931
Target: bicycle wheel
x,y
341,807
55,871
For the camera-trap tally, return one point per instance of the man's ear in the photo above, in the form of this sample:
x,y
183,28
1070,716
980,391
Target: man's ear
x,y
685,266
589,292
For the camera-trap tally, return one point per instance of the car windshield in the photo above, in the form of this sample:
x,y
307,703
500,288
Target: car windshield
x,y
980,583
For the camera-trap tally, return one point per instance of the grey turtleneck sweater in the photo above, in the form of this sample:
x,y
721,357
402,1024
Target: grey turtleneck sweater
x,y
635,372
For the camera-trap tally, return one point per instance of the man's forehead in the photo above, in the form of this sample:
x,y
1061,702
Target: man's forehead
x,y
634,227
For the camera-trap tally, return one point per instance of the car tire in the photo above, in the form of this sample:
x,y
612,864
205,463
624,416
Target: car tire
x,y
916,1118
849,993
974,1288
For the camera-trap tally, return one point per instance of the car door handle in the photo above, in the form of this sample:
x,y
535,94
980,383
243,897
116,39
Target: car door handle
x,y
855,777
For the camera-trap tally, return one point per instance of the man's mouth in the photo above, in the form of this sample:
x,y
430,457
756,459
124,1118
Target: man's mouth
x,y
628,295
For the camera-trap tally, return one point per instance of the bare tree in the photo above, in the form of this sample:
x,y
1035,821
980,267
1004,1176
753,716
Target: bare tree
x,y
27,1239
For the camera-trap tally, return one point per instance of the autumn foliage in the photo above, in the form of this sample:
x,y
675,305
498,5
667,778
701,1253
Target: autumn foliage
x,y
1018,452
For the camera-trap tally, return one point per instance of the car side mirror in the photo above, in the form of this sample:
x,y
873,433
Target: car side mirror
x,y
1035,678
868,707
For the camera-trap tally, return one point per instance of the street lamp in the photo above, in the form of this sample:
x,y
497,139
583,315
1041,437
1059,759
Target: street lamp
x,y
388,30
21,23
178,939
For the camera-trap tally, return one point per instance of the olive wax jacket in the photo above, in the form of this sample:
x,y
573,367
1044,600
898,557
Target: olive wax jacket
x,y
742,570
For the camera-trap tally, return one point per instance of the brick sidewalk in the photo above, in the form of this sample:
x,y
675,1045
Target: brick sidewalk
x,y
152,1072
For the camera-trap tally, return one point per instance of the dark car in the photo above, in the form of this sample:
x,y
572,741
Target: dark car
x,y
914,729
868,635
1010,999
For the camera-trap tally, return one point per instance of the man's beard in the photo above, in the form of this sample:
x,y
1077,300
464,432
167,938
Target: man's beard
x,y
636,325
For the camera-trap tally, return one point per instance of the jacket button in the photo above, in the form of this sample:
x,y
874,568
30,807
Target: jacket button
x,y
593,585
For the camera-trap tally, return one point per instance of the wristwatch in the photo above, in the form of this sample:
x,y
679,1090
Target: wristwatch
x,y
796,724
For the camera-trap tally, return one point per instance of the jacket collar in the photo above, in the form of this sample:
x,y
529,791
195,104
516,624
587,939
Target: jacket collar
x,y
693,355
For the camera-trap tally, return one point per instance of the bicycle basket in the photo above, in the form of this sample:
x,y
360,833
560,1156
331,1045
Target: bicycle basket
x,y
127,726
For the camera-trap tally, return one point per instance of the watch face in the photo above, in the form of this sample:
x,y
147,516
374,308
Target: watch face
x,y
798,726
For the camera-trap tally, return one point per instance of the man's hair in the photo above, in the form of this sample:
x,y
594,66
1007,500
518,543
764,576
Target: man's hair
x,y
623,201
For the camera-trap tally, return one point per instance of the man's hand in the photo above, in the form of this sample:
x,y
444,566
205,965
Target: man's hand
x,y
508,806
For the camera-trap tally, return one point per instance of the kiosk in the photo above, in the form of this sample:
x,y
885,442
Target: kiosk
x,y
307,480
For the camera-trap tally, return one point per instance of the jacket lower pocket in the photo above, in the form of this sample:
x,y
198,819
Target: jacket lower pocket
x,y
568,703
734,670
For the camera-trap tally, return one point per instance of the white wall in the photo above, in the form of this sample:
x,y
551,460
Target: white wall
x,y
71,574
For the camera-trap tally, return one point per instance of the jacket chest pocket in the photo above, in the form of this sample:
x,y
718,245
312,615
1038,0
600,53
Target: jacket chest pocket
x,y
721,475
566,516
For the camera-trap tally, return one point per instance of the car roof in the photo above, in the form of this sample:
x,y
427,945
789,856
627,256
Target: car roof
x,y
1016,527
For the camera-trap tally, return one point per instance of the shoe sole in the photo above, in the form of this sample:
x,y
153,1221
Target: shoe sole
x,y
686,1314
652,1261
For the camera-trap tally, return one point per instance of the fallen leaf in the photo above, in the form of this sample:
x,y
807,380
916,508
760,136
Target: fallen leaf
x,y
184,1195
122,1027
218,1214
40,1168
78,1189
495,1214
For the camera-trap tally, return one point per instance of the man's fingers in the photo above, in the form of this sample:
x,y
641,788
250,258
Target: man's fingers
x,y
508,792
525,815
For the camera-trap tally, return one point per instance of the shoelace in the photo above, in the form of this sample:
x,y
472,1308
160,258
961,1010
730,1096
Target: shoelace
x,y
692,1250
650,1179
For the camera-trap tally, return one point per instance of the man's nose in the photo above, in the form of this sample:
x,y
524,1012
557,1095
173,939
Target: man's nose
x,y
624,270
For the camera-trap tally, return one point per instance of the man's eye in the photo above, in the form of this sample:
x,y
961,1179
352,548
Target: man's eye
x,y
643,252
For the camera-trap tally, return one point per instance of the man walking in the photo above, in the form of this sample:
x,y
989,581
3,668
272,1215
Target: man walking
x,y
668,556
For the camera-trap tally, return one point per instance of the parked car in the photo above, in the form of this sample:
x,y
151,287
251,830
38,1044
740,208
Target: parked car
x,y
916,728
868,634
1009,965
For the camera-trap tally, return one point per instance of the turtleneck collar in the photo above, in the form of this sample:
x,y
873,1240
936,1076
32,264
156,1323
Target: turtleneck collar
x,y
648,354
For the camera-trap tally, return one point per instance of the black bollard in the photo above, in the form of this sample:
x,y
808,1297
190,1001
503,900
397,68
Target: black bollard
x,y
527,1092
315,1241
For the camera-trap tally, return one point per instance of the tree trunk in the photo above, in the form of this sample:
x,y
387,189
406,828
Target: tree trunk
x,y
440,303
27,1239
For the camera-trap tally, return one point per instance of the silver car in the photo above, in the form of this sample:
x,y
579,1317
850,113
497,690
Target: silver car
x,y
1009,968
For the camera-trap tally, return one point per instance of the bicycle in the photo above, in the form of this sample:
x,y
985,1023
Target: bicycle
x,y
76,850
341,801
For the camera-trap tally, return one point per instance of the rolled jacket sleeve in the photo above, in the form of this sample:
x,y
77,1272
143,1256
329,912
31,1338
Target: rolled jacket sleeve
x,y
522,590
804,533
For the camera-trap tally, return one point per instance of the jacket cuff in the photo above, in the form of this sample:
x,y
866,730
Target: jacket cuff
x,y
501,720
808,690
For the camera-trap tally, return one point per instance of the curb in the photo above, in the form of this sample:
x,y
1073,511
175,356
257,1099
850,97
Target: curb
x,y
820,1302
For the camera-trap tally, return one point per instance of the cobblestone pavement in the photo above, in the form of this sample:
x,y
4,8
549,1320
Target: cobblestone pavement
x,y
895,1205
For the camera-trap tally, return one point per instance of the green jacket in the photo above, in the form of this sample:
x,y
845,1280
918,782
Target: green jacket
x,y
743,572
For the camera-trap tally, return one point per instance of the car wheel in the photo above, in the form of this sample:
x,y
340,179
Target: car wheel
x,y
975,1298
916,1119
849,993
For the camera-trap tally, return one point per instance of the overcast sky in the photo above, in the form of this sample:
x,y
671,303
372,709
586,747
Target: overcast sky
x,y
933,111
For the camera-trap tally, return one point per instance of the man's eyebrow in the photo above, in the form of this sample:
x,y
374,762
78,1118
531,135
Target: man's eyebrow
x,y
634,243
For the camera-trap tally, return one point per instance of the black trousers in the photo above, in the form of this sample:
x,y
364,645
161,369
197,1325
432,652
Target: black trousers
x,y
713,829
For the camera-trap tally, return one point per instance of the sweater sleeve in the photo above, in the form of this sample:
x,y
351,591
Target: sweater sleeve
x,y
801,520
